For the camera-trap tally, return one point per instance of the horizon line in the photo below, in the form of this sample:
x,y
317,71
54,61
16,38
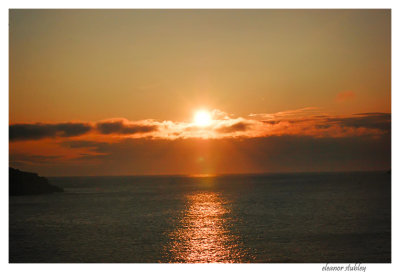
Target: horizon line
x,y
222,174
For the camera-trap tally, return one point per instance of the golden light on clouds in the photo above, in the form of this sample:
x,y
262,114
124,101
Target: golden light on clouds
x,y
214,124
140,88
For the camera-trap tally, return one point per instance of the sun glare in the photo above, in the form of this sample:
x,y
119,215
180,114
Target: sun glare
x,y
202,118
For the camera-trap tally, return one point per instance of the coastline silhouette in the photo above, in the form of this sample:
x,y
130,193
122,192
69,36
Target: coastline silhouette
x,y
26,183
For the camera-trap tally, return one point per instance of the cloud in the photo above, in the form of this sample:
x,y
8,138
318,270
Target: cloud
x,y
41,130
345,96
97,147
80,144
322,125
297,113
37,131
239,126
381,121
302,122
307,141
123,126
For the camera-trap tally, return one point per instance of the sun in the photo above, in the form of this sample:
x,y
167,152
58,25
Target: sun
x,y
202,118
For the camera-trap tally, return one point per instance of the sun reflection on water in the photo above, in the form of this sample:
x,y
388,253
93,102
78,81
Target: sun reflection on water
x,y
203,234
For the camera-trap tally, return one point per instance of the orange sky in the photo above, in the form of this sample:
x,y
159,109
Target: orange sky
x,y
121,83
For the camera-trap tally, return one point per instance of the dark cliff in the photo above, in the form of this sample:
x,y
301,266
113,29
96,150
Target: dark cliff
x,y
25,183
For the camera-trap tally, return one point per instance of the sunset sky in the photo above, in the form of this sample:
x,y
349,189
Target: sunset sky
x,y
115,92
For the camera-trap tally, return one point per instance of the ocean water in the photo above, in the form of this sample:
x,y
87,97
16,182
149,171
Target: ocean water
x,y
328,217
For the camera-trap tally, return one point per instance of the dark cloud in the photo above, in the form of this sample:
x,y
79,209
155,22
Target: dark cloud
x,y
39,130
240,126
92,145
372,114
271,122
380,121
121,127
80,144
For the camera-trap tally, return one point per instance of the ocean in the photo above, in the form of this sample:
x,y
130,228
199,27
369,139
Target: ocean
x,y
279,218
